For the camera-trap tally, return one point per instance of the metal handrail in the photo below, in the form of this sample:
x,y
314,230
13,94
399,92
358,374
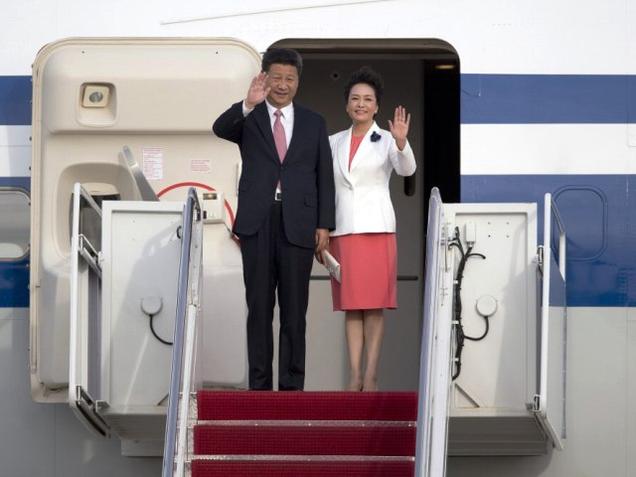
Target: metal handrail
x,y
436,357
551,212
191,206
561,258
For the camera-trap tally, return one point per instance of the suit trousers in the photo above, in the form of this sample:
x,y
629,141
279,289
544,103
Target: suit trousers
x,y
271,262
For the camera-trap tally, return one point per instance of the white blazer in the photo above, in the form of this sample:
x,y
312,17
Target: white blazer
x,y
363,202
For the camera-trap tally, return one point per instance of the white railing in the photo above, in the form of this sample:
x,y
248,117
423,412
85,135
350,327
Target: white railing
x,y
182,382
435,358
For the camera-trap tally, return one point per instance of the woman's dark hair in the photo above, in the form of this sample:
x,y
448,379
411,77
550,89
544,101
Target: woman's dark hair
x,y
365,75
282,56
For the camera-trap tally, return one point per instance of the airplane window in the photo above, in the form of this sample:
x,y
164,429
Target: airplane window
x,y
14,224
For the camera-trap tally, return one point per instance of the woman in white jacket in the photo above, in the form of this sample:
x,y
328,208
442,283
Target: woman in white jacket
x,y
364,239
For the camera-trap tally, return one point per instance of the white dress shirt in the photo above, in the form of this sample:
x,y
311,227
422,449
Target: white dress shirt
x,y
286,118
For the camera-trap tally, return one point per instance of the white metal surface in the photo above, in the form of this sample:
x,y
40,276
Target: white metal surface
x,y
165,120
514,37
552,384
186,356
118,371
141,246
574,149
498,374
85,319
435,358
499,371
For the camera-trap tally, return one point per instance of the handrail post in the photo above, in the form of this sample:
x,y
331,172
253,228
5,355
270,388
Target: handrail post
x,y
191,208
435,359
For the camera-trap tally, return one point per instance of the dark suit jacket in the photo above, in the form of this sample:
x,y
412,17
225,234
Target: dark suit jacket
x,y
306,175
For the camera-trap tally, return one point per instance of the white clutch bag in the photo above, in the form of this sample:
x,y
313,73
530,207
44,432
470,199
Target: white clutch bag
x,y
331,264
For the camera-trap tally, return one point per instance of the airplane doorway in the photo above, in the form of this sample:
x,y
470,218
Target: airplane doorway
x,y
423,76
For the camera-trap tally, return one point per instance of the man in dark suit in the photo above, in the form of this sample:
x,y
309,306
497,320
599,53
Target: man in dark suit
x,y
285,211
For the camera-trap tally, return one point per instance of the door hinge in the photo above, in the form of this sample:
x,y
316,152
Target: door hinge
x,y
540,257
535,405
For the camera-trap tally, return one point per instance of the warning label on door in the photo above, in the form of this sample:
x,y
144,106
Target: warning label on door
x,y
200,165
152,163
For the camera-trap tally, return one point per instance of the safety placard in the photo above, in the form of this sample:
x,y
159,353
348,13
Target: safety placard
x,y
152,158
200,165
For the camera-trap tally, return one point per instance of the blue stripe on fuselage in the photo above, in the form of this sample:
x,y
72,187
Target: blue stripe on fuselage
x,y
598,212
544,99
15,100
485,99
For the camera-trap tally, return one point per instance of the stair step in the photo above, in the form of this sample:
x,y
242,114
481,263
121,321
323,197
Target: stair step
x,y
206,468
307,406
299,440
296,423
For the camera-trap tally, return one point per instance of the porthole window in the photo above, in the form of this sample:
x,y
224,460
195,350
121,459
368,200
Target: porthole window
x,y
14,223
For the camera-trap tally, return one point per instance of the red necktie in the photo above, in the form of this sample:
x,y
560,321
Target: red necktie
x,y
279,136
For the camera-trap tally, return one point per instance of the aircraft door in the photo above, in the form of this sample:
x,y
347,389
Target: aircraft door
x,y
155,99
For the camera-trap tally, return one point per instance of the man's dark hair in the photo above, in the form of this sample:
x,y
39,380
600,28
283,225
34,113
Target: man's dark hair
x,y
282,56
365,75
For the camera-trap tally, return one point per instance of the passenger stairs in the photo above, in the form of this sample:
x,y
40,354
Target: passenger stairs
x,y
253,433
249,433
235,433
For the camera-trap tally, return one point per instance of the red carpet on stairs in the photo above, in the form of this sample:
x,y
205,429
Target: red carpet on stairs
x,y
302,469
304,440
328,434
312,406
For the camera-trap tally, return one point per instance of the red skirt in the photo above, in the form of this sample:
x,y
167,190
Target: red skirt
x,y
368,271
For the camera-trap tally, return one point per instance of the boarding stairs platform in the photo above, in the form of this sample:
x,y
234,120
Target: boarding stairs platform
x,y
265,433
250,433
261,433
